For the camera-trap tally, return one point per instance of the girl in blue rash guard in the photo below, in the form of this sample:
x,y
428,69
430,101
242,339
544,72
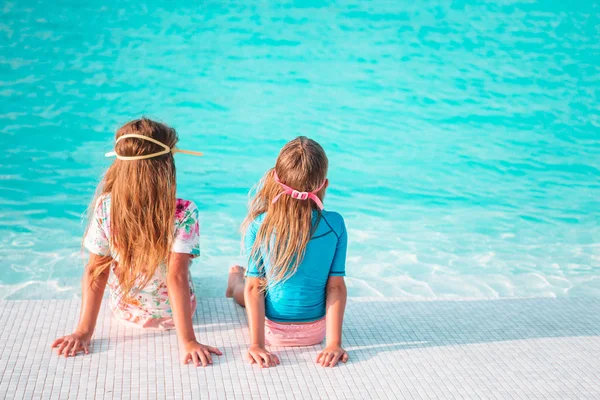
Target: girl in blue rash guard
x,y
294,291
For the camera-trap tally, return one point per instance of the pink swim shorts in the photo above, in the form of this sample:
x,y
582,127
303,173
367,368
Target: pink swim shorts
x,y
308,334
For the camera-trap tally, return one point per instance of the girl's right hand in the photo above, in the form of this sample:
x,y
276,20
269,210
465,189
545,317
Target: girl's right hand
x,y
72,344
259,355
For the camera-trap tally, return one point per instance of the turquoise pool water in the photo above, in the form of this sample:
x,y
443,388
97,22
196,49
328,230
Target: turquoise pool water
x,y
464,139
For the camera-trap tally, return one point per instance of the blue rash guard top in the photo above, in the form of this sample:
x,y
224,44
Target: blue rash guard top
x,y
301,298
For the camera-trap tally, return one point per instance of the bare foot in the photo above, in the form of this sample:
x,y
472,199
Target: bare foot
x,y
236,276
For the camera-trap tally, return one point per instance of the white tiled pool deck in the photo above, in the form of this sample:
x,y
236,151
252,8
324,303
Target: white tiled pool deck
x,y
521,348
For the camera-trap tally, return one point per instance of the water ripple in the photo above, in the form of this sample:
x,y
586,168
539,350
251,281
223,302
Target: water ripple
x,y
463,138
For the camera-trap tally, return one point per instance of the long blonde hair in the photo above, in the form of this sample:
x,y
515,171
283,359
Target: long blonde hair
x,y
287,225
142,205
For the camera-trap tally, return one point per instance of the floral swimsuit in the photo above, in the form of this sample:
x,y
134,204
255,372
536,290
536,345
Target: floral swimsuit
x,y
150,307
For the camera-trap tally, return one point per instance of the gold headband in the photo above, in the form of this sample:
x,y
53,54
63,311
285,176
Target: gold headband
x,y
166,150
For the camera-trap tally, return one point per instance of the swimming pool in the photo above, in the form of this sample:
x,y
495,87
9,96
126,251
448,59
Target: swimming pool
x,y
464,140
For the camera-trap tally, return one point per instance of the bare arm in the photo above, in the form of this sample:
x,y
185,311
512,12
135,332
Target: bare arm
x,y
335,306
255,307
178,287
254,298
91,300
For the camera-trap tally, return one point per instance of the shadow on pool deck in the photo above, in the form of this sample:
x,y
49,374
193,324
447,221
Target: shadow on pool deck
x,y
481,348
396,324
399,324
410,324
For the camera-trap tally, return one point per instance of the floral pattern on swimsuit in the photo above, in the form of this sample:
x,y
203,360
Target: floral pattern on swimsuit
x,y
150,306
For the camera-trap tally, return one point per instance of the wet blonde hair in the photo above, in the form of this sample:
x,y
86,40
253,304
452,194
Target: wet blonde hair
x,y
287,226
142,206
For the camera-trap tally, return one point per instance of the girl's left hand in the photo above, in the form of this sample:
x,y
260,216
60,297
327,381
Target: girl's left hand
x,y
198,353
331,355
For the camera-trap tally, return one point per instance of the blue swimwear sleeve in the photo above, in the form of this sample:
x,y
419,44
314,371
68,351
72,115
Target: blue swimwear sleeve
x,y
338,266
253,269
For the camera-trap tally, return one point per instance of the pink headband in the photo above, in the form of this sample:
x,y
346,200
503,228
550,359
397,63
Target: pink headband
x,y
299,195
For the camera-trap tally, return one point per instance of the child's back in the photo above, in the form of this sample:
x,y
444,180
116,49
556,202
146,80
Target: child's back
x,y
301,297
296,259
146,306
141,241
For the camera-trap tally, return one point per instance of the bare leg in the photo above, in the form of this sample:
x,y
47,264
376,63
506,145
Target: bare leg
x,y
235,284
